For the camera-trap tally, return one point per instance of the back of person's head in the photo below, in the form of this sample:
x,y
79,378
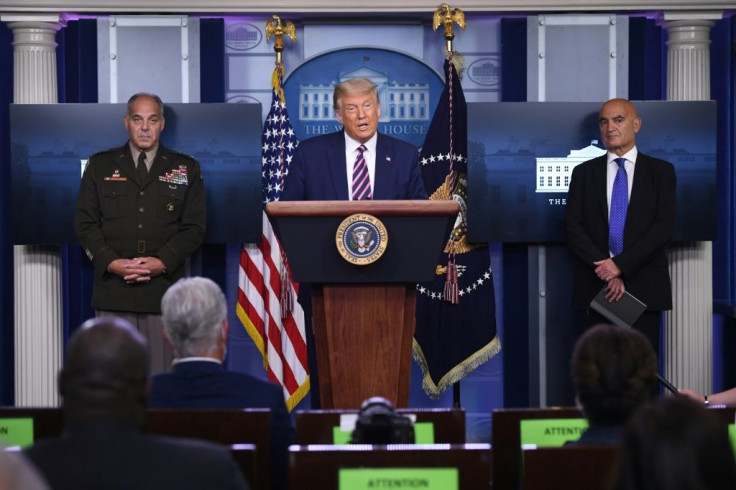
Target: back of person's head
x,y
353,86
194,311
676,444
614,370
105,371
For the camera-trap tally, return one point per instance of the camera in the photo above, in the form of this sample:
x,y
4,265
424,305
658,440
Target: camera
x,y
378,423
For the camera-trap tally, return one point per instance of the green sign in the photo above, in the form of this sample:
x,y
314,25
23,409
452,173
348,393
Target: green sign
x,y
400,478
551,432
16,431
423,434
732,435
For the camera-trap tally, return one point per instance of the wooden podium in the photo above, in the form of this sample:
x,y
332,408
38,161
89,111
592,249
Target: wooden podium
x,y
363,315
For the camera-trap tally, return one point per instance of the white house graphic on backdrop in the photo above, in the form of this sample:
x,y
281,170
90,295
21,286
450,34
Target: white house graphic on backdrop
x,y
553,174
399,101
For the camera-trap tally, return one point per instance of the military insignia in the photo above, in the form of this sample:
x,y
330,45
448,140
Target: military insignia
x,y
170,207
176,176
361,239
116,177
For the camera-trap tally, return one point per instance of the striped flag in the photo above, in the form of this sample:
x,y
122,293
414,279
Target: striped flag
x,y
267,293
456,313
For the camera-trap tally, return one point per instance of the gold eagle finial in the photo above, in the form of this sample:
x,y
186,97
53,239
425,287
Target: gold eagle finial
x,y
445,15
275,27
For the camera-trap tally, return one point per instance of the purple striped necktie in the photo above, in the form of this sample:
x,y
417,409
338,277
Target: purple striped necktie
x,y
361,179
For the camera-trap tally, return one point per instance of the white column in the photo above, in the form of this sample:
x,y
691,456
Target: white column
x,y
38,295
689,326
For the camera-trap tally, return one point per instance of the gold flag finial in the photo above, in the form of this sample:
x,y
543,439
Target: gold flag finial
x,y
446,16
274,26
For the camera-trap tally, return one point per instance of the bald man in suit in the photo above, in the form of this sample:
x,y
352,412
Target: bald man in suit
x,y
640,267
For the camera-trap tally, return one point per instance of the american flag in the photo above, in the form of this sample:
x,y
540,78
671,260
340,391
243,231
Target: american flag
x,y
267,293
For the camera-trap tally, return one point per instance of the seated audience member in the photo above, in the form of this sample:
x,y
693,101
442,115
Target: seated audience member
x,y
614,371
675,444
727,397
16,473
194,314
104,385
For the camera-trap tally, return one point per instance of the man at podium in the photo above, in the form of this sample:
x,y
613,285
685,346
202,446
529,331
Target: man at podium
x,y
357,162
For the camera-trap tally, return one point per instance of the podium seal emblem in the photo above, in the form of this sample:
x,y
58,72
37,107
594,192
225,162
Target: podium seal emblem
x,y
361,239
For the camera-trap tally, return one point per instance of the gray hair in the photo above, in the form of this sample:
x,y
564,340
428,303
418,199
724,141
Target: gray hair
x,y
353,86
139,95
193,311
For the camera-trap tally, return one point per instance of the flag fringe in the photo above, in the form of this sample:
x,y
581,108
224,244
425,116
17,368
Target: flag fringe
x,y
276,77
457,373
253,332
298,395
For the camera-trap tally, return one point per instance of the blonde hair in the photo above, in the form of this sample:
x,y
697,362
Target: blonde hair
x,y
353,86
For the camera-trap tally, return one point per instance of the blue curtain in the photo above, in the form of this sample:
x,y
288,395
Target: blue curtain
x,y
76,55
724,271
515,256
6,242
647,73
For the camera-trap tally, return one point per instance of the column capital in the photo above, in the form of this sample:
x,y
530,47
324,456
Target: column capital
x,y
34,20
689,17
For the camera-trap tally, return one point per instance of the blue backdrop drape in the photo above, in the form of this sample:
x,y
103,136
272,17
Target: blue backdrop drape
x,y
6,243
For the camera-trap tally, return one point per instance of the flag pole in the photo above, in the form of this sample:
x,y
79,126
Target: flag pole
x,y
275,27
447,17
266,291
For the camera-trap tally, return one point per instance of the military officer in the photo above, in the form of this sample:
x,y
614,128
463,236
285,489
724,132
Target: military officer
x,y
140,213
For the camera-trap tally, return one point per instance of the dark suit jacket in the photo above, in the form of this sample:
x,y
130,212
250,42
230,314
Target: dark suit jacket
x,y
119,217
318,170
203,384
114,456
650,223
600,436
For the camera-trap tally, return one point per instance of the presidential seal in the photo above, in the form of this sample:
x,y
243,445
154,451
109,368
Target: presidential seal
x,y
361,239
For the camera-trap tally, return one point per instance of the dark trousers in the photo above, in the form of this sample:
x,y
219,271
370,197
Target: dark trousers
x,y
152,328
649,323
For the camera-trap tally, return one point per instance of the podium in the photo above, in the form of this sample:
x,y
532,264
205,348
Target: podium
x,y
363,315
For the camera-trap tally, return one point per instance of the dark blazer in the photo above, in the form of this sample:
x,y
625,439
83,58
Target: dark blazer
x,y
650,223
204,384
600,436
119,217
318,170
103,454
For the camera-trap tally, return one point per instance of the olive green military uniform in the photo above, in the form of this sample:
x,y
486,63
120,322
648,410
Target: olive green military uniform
x,y
117,216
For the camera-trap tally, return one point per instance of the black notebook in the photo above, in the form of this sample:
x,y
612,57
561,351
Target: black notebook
x,y
623,312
